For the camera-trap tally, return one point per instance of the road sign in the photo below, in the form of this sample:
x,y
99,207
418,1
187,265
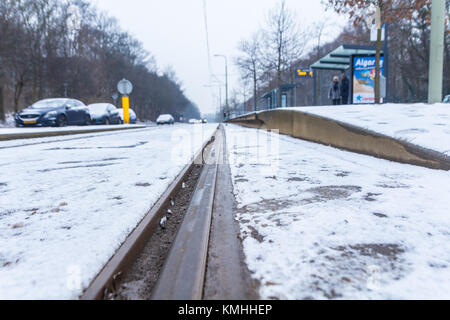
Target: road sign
x,y
374,33
125,87
304,73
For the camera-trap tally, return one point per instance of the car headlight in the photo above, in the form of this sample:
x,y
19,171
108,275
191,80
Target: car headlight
x,y
51,114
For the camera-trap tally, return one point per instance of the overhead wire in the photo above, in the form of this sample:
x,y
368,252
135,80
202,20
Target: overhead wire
x,y
208,48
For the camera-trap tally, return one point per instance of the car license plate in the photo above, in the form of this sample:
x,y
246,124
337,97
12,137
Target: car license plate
x,y
30,121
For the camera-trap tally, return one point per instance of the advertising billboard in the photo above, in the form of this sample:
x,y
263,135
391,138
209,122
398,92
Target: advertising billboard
x,y
363,74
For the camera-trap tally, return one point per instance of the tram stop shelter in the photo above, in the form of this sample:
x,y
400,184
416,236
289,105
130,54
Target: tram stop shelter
x,y
288,96
340,59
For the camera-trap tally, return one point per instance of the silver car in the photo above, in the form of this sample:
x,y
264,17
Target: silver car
x,y
165,119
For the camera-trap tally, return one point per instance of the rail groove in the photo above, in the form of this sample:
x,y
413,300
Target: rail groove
x,y
183,274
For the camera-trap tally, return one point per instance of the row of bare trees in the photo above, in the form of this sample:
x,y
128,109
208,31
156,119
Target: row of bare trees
x,y
58,48
270,57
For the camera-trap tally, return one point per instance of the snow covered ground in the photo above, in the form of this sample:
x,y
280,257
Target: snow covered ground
x,y
321,223
424,125
66,206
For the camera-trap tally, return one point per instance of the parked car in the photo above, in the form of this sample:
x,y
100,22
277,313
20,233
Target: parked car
x,y
447,99
133,118
104,113
54,112
204,121
165,119
194,121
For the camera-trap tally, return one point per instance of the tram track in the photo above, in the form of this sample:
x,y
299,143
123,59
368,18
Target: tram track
x,y
107,284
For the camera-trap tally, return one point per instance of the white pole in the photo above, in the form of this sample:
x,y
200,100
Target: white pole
x,y
436,51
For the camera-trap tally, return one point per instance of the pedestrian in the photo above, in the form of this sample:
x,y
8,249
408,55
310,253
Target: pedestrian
x,y
334,93
345,89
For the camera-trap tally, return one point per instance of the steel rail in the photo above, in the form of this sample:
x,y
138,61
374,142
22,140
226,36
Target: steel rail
x,y
108,280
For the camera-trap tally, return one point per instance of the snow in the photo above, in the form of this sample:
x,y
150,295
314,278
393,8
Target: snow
x,y
9,121
26,130
422,124
321,223
67,206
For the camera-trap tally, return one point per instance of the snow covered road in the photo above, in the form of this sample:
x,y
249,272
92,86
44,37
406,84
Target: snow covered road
x,y
320,223
66,205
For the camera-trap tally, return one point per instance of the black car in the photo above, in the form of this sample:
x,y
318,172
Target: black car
x,y
104,113
54,112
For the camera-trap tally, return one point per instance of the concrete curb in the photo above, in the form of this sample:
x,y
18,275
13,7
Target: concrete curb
x,y
17,136
344,136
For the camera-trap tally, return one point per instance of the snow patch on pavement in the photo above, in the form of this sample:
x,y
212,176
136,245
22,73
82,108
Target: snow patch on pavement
x,y
320,223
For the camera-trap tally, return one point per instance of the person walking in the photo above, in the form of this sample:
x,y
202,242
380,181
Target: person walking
x,y
334,93
344,89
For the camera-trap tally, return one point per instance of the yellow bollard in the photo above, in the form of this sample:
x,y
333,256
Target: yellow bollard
x,y
126,109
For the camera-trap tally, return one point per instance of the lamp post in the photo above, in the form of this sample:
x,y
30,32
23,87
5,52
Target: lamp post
x,y
436,51
220,93
226,77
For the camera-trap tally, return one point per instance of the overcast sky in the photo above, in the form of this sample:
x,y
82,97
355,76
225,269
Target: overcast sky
x,y
173,31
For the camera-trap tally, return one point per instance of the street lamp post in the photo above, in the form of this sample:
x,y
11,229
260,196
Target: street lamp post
x,y
226,77
220,93
436,51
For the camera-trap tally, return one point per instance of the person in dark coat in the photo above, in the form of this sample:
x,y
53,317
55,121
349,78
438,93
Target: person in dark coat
x,y
345,89
334,94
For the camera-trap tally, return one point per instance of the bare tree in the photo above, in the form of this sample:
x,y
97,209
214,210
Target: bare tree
x,y
400,12
391,10
283,42
42,55
250,63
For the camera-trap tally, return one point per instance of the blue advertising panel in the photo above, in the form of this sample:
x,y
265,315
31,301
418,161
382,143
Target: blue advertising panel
x,y
364,78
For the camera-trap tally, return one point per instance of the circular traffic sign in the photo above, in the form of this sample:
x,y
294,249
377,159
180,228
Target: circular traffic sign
x,y
125,87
